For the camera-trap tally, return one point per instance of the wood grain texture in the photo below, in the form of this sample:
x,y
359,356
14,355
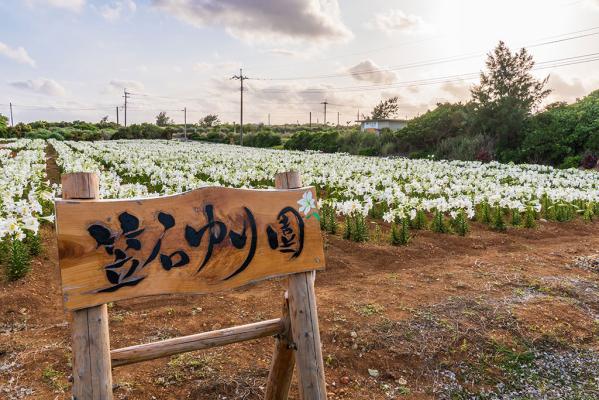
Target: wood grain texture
x,y
92,376
306,336
80,185
304,320
136,227
283,361
200,341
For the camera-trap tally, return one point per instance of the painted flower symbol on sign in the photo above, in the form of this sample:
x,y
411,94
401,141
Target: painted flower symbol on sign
x,y
307,203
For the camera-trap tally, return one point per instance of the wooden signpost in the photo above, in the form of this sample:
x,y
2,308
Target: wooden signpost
x,y
203,241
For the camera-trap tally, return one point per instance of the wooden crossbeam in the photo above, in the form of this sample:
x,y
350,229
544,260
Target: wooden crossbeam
x,y
200,341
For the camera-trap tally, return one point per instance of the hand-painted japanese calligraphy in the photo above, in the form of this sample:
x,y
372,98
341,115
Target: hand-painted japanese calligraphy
x,y
201,241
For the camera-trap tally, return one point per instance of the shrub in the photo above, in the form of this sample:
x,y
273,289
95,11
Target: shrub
x,y
571,162
460,224
400,232
419,221
263,139
438,224
18,260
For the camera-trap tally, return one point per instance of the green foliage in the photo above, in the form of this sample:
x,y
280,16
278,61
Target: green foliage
x,y
400,232
163,120
34,243
438,224
484,213
506,96
386,109
347,228
209,121
377,235
262,139
355,228
17,259
562,133
419,221
427,131
589,212
530,217
564,212
498,222
142,131
516,218
325,140
328,219
3,126
460,224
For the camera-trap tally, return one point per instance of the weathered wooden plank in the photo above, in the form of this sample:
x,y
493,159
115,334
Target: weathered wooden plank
x,y
306,336
283,361
200,341
203,241
304,324
92,376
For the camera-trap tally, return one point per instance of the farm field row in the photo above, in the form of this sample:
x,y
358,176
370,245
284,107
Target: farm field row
x,y
25,194
396,190
400,191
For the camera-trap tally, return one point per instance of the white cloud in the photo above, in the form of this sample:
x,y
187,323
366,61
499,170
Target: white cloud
x,y
283,52
221,66
113,11
368,71
564,89
120,84
260,20
72,5
19,54
593,3
459,90
394,21
42,85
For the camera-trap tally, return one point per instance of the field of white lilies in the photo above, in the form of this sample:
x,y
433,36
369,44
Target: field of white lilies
x,y
412,194
405,192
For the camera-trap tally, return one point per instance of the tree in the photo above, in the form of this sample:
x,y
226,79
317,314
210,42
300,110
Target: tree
x,y
162,119
386,109
506,96
104,120
3,125
209,121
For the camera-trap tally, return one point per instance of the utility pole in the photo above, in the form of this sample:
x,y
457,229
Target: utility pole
x,y
268,119
126,98
185,122
117,115
337,118
241,79
325,110
358,115
12,124
310,119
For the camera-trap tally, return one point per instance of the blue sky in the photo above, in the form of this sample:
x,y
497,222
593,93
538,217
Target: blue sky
x,y
71,59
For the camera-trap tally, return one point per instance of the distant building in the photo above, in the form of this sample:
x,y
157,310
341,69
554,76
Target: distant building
x,y
376,125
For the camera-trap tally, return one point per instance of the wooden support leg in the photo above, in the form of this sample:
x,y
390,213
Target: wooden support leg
x,y
92,377
283,361
306,336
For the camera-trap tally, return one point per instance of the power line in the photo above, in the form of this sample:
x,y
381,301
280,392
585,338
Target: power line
x,y
428,62
442,79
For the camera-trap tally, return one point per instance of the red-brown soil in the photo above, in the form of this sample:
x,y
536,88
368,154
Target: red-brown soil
x,y
402,311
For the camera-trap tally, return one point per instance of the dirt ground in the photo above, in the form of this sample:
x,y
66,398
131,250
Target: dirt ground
x,y
391,318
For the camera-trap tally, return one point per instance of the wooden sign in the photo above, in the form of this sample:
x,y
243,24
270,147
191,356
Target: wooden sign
x,y
201,241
